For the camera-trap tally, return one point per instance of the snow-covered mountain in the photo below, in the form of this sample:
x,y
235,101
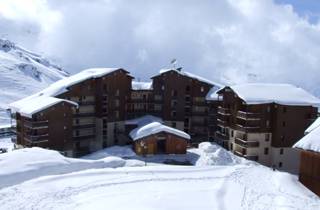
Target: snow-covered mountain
x,y
22,73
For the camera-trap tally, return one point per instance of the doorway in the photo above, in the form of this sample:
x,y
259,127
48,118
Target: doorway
x,y
161,146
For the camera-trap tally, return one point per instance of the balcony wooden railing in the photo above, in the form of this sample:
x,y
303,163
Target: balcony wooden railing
x,y
246,144
36,138
35,124
222,136
243,154
248,115
247,128
84,137
223,111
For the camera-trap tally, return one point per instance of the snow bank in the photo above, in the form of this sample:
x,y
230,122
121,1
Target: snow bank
x,y
119,151
212,154
153,128
6,143
285,94
24,164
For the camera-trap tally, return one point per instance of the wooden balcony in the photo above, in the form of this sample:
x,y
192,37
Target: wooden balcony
x,y
223,111
84,137
37,138
248,115
221,136
246,144
243,154
247,128
36,124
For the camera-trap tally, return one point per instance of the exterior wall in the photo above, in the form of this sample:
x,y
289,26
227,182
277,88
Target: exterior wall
x,y
173,144
41,129
309,171
178,98
245,128
286,159
141,103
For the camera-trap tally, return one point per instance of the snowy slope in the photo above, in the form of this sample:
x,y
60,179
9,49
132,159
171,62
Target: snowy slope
x,y
23,73
97,184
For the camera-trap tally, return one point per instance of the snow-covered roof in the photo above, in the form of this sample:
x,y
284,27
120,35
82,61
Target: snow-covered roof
x,y
39,104
188,74
311,141
154,128
285,94
143,120
141,85
313,126
56,89
212,95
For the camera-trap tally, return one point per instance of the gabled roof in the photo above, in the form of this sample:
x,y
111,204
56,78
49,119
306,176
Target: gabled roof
x,y
310,142
141,85
39,104
59,87
264,93
190,75
154,128
313,126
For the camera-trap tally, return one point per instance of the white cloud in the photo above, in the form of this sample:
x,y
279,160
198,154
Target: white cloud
x,y
231,40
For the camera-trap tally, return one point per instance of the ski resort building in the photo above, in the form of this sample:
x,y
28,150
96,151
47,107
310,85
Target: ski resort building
x,y
309,170
261,122
87,111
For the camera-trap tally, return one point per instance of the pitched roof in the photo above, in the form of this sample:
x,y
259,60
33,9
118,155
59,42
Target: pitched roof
x,y
313,126
154,128
57,88
310,142
188,74
39,104
285,94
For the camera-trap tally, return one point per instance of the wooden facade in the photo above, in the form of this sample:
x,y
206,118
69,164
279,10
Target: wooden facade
x,y
309,173
161,143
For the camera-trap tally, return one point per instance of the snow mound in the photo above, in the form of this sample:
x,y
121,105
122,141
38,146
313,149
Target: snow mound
x,y
25,164
119,151
212,154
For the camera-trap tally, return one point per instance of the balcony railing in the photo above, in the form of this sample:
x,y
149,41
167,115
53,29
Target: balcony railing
x,y
222,136
37,138
84,137
249,157
84,126
248,115
223,111
247,128
84,115
35,124
246,144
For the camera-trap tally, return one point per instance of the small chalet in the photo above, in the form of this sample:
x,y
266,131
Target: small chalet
x,y
152,137
309,172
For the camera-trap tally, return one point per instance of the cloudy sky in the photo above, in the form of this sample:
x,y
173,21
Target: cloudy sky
x,y
231,41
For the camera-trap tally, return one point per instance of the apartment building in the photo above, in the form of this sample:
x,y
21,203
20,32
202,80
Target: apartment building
x,y
261,122
180,100
87,111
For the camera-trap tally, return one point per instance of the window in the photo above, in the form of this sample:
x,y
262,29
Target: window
x,y
284,109
281,151
77,121
173,113
266,151
174,124
187,98
162,87
280,164
232,133
104,132
283,124
187,88
104,87
77,133
267,136
268,109
202,89
231,146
